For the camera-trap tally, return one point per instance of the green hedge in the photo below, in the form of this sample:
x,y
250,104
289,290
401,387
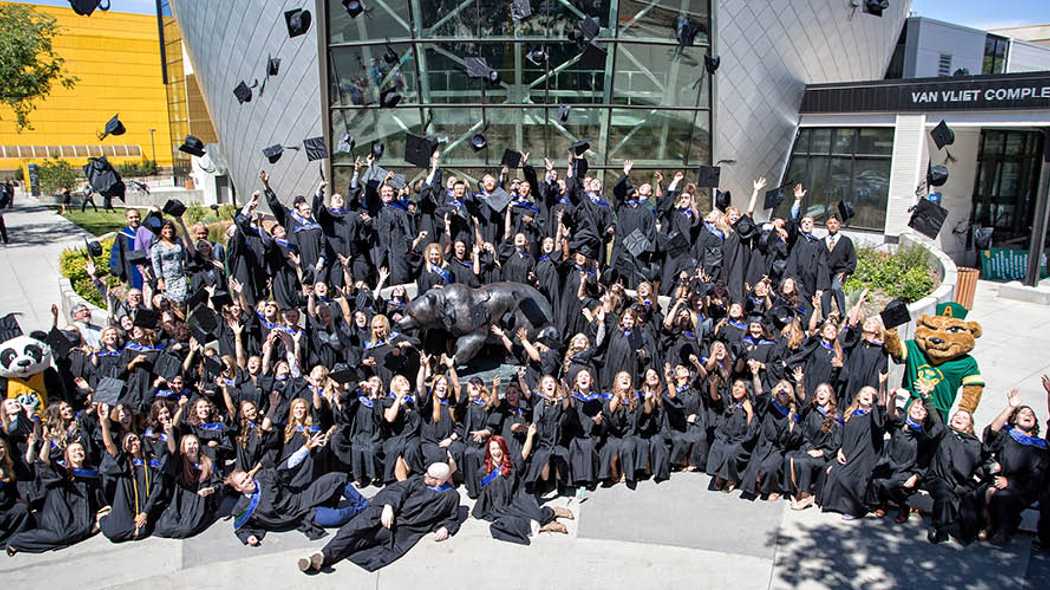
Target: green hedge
x,y
905,274
72,264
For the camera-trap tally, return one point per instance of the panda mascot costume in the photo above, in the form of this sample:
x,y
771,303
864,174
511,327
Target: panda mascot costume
x,y
26,374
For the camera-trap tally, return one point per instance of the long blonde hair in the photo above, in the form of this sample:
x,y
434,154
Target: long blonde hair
x,y
290,427
186,472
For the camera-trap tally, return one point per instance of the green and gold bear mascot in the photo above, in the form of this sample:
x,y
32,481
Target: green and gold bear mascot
x,y
939,356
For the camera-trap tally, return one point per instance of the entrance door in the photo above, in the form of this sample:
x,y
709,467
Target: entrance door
x,y
1008,166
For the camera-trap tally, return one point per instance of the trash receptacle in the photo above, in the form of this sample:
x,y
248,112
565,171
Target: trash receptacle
x,y
966,286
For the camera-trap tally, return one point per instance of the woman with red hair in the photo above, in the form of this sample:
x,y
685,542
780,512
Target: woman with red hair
x,y
514,514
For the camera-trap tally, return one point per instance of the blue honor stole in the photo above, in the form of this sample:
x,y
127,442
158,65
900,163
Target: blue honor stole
x,y
242,519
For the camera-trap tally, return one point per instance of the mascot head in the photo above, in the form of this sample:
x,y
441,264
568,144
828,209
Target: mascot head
x,y
24,356
947,335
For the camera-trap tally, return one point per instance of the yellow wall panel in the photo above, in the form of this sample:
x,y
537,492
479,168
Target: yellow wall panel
x,y
117,58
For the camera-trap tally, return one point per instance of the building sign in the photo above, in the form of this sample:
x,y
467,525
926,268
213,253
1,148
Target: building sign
x,y
1011,91
1007,264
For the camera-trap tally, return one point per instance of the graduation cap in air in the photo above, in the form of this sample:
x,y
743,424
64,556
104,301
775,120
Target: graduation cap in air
x,y
147,318
9,327
536,56
273,65
636,243
479,142
93,248
419,150
113,127
937,175
274,152
708,176
343,375
677,244
711,63
220,298
62,342
781,315
846,211
586,29
315,149
520,10
895,314
86,7
174,207
203,322
723,200
197,297
298,21
353,7
346,145
511,159
193,146
942,135
390,56
243,92
108,391
685,30
167,366
137,257
103,178
478,67
498,200
563,113
927,218
377,149
580,147
389,98
774,198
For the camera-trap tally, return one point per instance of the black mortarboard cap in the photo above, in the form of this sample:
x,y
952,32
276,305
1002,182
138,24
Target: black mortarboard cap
x,y
937,175
685,30
137,257
745,227
536,56
344,375
587,29
93,247
636,243
298,21
273,65
875,7
781,315
377,149
197,297
419,150
153,221
927,218
243,92
193,146
103,178
942,135
677,243
478,67
708,176
167,366
203,322
774,198
777,268
511,159
61,342
520,9
9,327
108,391
563,113
113,127
346,144
315,149
895,314
353,7
723,199
273,153
478,142
174,207
846,211
580,147
711,63
389,98
86,7
587,249
220,298
498,200
147,318
390,56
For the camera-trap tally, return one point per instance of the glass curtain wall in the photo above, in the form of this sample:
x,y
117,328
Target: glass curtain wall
x,y
175,85
1004,194
635,95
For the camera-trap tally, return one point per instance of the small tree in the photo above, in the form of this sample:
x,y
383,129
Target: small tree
x,y
55,175
29,66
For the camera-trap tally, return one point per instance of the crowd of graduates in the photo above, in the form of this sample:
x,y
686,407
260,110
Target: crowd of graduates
x,y
265,377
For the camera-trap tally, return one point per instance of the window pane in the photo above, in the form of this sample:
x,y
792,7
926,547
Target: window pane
x,y
583,124
457,125
366,126
358,74
580,77
875,142
802,145
818,188
871,185
1015,144
647,75
388,19
843,141
650,135
656,19
520,129
820,143
993,143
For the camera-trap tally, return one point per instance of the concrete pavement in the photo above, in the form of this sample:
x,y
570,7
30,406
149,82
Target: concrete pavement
x,y
675,534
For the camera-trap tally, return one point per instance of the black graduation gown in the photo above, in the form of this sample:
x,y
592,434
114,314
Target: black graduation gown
x,y
505,504
258,447
547,279
68,514
187,513
622,441
775,434
516,265
1023,461
306,233
401,437
284,282
432,432
245,260
418,510
730,449
950,479
808,265
621,352
585,437
815,356
548,448
568,315
476,416
736,255
864,361
689,440
845,485
768,247
394,235
463,272
800,468
14,514
138,487
906,453
633,216
366,444
433,276
281,507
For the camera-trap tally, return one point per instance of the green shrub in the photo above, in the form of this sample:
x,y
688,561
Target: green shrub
x,y
905,274
227,211
144,167
55,175
195,213
72,264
